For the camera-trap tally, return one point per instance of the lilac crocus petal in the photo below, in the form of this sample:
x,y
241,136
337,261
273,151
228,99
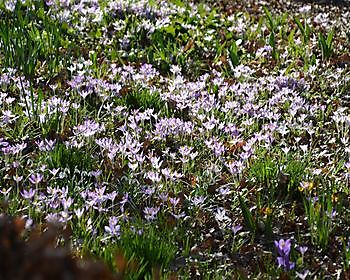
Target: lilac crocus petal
x,y
236,228
281,261
290,265
285,263
178,216
287,246
277,244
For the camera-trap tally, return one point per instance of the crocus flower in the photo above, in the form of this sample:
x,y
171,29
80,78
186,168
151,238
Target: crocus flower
x,y
302,249
113,228
36,178
283,248
28,194
150,213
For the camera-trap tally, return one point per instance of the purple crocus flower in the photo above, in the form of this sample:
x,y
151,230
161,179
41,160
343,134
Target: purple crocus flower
x,y
35,178
46,145
163,197
150,213
283,248
198,201
17,178
302,249
174,201
79,212
28,194
148,191
113,228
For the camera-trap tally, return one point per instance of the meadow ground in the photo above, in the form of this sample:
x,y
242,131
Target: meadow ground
x,y
179,139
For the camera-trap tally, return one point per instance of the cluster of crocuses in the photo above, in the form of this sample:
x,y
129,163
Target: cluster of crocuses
x,y
284,249
283,260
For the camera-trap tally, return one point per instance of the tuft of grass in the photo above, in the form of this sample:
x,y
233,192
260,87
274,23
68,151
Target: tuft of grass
x,y
247,215
319,212
71,158
149,248
325,43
